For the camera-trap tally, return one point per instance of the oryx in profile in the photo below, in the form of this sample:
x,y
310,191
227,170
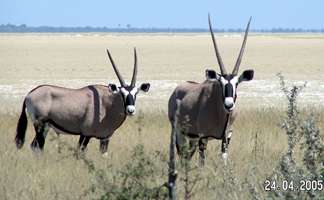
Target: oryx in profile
x,y
206,110
92,111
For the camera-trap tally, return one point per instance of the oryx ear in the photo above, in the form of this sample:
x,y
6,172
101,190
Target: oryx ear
x,y
247,75
145,87
211,75
113,87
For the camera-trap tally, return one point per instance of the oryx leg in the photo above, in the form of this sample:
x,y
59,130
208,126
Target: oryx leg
x,y
225,144
229,131
202,147
41,130
180,142
83,142
186,146
193,143
229,135
104,146
224,149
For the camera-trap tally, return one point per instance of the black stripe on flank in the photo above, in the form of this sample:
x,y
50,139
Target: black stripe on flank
x,y
192,136
61,128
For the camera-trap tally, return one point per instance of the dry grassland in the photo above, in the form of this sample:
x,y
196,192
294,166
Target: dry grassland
x,y
75,60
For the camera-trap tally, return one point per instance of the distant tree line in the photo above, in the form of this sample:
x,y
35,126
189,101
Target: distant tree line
x,y
23,28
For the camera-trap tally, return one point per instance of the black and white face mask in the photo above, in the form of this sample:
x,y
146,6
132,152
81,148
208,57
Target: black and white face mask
x,y
129,94
229,83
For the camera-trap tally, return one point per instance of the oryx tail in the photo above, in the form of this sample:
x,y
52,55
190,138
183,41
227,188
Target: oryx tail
x,y
21,127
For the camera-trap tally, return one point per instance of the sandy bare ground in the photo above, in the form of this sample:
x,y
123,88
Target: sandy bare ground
x,y
165,60
256,93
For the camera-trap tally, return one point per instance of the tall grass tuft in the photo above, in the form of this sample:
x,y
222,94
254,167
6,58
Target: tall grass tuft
x,y
303,132
134,180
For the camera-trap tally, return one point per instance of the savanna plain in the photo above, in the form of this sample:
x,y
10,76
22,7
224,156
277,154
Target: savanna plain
x,y
137,163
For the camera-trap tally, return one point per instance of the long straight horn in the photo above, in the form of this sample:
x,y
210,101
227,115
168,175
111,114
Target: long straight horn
x,y
135,69
120,78
219,59
239,59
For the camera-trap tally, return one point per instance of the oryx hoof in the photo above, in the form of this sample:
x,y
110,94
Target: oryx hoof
x,y
105,155
82,149
225,157
35,146
173,176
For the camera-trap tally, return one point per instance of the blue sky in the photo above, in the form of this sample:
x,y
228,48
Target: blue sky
x,y
165,14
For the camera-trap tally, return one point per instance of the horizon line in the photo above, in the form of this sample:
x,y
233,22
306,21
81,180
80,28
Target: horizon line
x,y
128,28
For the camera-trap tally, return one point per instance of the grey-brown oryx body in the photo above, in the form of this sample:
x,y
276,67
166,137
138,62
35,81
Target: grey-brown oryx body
x,y
206,110
92,111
